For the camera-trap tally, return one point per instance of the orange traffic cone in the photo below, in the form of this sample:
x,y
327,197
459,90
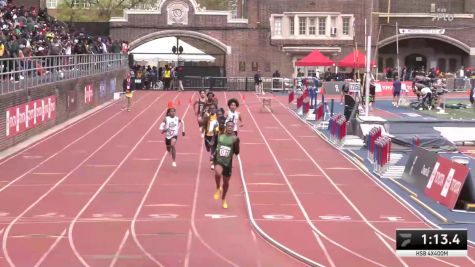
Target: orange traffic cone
x,y
170,104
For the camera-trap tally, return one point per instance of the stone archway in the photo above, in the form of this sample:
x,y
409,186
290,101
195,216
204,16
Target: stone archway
x,y
425,51
181,33
443,38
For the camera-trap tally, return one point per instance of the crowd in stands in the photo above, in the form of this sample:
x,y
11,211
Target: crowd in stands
x,y
27,32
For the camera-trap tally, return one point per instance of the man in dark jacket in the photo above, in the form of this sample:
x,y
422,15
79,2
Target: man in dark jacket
x,y
258,83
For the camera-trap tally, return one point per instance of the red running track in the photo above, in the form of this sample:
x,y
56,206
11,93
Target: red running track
x,y
102,192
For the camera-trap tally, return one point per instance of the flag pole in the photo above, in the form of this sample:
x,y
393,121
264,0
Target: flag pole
x,y
397,49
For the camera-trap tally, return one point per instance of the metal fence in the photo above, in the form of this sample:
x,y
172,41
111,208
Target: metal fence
x,y
27,73
234,83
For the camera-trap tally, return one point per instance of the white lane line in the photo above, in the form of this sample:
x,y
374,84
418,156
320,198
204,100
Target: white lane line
x,y
121,247
46,254
12,223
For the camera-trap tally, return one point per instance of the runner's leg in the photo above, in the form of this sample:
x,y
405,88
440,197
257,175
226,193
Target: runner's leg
x,y
218,173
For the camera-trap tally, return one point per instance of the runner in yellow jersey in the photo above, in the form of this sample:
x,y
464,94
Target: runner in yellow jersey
x,y
128,86
211,125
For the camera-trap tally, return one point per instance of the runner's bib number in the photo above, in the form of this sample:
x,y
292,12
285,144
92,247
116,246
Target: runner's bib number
x,y
224,151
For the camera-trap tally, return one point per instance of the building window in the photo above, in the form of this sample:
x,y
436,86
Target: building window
x,y
311,26
322,26
346,26
255,66
292,25
83,3
302,25
242,66
278,26
51,3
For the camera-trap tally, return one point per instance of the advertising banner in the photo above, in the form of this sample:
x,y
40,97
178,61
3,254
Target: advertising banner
x,y
419,167
440,178
446,182
29,115
88,94
102,89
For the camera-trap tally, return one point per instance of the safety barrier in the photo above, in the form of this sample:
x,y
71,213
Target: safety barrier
x,y
337,128
382,154
235,83
373,134
416,141
31,72
320,112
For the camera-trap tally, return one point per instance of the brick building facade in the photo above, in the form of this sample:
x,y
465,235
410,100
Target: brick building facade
x,y
272,35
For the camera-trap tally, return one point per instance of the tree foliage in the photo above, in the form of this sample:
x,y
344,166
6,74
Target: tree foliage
x,y
96,10
214,4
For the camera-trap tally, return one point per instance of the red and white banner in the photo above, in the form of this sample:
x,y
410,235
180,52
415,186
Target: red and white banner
x,y
26,116
386,88
446,182
88,94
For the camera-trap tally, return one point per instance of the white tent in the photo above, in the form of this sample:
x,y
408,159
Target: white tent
x,y
164,45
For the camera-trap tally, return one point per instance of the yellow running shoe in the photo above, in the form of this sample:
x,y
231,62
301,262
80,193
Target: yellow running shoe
x,y
225,204
217,194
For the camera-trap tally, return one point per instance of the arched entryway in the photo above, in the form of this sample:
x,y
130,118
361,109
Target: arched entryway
x,y
416,62
424,51
208,44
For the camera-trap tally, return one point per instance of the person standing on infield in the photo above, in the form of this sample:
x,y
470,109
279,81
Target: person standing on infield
x,y
227,146
396,92
128,88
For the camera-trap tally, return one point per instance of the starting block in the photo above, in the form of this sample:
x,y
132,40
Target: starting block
x,y
266,103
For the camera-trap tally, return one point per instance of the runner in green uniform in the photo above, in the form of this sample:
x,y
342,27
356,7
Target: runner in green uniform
x,y
226,147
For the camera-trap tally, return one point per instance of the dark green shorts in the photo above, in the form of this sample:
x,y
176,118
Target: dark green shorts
x,y
227,170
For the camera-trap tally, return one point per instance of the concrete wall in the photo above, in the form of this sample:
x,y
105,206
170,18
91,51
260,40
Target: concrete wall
x,y
70,101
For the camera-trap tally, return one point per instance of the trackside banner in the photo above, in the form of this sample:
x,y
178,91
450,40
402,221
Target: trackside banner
x,y
446,182
440,178
29,115
419,167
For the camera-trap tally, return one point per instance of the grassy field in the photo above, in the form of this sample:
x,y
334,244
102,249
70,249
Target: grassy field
x,y
455,114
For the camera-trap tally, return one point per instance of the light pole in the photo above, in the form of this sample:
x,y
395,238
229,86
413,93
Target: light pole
x,y
178,50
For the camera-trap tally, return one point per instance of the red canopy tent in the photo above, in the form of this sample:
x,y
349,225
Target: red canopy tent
x,y
355,59
314,59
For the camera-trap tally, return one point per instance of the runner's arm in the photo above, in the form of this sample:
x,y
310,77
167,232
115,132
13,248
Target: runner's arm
x,y
236,146
162,127
183,130
194,106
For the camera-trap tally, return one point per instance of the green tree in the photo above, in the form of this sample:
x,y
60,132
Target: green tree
x,y
96,10
214,4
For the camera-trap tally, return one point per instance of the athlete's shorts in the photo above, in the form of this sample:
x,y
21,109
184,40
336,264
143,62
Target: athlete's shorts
x,y
227,171
168,142
396,93
208,142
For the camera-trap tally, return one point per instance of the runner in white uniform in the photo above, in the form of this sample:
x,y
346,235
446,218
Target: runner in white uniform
x,y
171,126
234,115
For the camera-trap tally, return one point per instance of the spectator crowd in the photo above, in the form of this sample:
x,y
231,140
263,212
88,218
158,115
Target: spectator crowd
x,y
27,32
